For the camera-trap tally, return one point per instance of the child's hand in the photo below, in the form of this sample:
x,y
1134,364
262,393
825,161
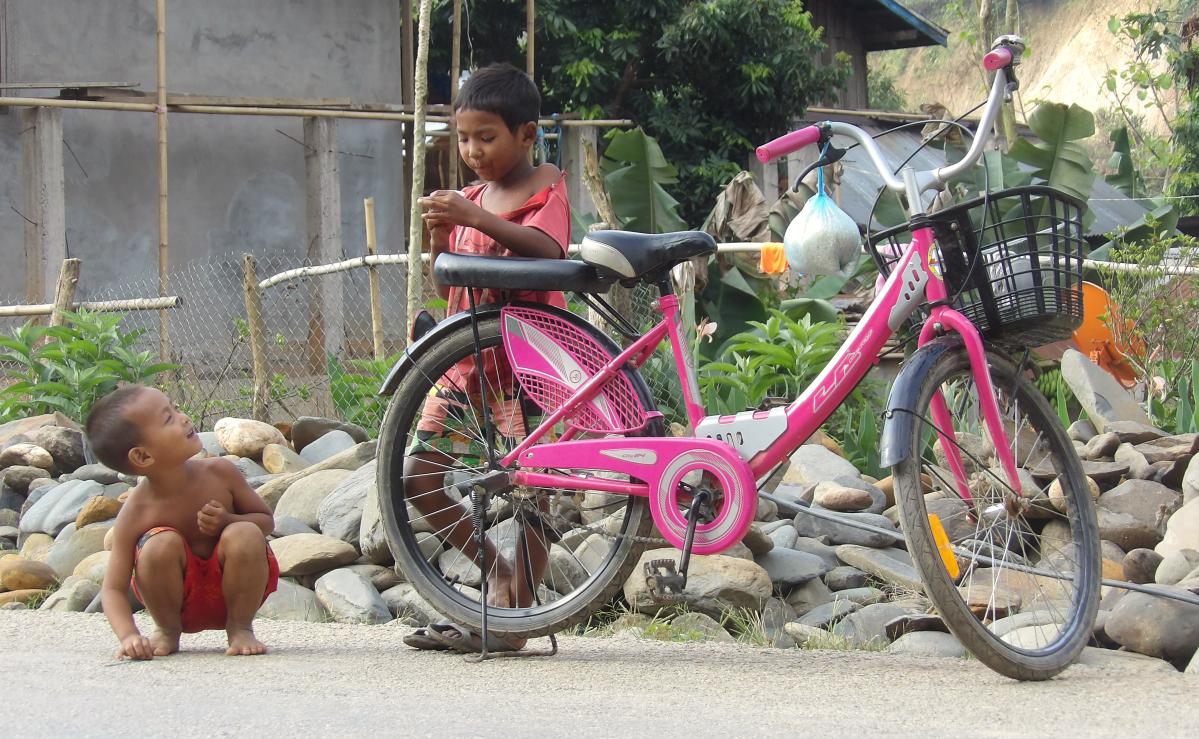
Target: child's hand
x,y
447,208
135,646
212,518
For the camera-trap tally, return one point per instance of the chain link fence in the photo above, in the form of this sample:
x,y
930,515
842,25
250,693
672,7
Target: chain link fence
x,y
315,335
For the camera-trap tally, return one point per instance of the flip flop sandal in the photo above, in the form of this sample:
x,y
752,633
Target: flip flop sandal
x,y
461,639
420,639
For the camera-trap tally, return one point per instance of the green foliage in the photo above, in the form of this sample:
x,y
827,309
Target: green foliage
x,y
354,387
779,358
1059,160
882,94
68,368
634,173
857,427
709,79
1123,175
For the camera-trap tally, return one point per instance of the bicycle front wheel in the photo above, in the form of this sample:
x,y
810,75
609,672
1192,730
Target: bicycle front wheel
x,y
579,548
1015,575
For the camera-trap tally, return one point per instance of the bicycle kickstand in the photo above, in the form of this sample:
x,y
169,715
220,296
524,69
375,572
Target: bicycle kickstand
x,y
664,581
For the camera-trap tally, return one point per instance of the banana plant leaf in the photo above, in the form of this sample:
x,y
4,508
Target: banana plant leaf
x,y
1124,176
1058,160
635,173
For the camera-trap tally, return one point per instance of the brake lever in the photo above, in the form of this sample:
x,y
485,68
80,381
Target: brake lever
x,y
830,155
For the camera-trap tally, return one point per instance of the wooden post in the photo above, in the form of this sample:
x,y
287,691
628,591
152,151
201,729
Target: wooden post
x,y
767,176
257,328
64,291
372,274
455,73
416,224
164,341
407,79
45,207
575,142
325,317
530,24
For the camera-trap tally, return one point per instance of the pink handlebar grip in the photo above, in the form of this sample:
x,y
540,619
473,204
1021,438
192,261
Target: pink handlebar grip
x,y
784,145
997,59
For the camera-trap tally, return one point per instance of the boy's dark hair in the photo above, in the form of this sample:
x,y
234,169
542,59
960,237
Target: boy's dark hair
x,y
504,90
110,432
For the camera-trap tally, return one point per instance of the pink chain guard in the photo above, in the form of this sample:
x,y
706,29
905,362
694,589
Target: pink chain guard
x,y
663,462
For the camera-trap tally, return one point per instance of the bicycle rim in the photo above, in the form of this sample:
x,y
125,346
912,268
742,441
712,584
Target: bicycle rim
x,y
1015,577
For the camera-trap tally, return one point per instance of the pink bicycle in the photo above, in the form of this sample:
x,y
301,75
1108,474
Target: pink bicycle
x,y
524,467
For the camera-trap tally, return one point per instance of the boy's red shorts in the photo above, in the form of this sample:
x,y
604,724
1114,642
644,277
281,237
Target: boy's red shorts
x,y
203,599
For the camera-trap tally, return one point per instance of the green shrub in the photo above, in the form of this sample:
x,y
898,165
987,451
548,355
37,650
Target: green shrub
x,y
354,387
68,368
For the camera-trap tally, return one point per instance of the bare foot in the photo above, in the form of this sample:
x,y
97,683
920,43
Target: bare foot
x,y
164,642
243,642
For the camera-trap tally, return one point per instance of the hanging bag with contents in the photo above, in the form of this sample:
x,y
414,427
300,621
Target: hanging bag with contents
x,y
822,239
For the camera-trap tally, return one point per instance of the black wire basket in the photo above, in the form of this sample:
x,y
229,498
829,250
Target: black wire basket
x,y
1011,261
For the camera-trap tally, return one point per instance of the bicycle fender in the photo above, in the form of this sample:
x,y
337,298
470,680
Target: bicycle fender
x,y
431,338
895,444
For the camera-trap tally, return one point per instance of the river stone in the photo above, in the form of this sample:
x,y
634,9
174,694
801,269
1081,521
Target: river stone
x,y
840,533
350,598
97,473
868,625
372,537
1131,432
59,506
928,644
20,573
93,567
563,573
18,477
349,460
64,444
247,467
715,583
308,429
292,602
878,563
340,513
303,499
381,577
812,463
829,613
862,596
976,450
288,525
845,577
820,549
331,443
1140,565
1175,566
805,636
1182,530
1058,499
97,508
809,595
212,444
1138,467
776,614
409,607
8,600
784,536
36,546
1146,501
1126,530
757,541
307,554
26,455
279,458
697,623
788,567
70,551
72,596
1081,431
836,497
1190,481
1111,659
245,437
1101,446
1158,627
1170,448
1101,396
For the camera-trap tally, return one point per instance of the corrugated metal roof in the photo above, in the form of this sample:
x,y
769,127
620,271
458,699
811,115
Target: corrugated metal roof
x,y
1110,208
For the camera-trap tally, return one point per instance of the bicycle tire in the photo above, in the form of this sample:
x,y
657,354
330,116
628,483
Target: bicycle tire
x,y
1066,597
463,605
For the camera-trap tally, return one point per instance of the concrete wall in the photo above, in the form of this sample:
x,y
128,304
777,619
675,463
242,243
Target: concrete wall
x,y
236,183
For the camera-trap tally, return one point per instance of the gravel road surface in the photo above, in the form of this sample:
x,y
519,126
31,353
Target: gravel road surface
x,y
342,680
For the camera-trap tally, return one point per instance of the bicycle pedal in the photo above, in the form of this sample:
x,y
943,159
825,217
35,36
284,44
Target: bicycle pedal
x,y
664,581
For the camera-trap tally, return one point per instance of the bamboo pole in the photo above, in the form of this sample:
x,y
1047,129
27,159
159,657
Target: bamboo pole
x,y
64,291
372,274
530,23
132,304
164,341
455,73
257,328
415,222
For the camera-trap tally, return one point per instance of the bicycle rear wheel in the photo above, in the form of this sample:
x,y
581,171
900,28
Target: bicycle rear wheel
x,y
585,569
1016,578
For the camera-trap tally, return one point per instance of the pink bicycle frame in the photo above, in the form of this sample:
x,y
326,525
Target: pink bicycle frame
x,y
914,280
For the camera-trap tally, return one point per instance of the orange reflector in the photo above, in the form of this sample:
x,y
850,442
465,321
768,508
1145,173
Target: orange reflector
x,y
943,547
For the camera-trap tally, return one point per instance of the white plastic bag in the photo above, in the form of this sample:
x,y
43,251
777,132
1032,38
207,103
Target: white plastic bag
x,y
822,239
